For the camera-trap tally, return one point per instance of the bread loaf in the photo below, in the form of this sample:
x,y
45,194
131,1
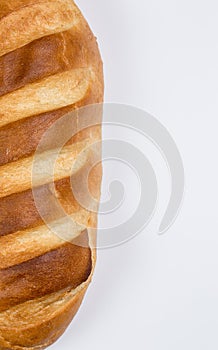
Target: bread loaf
x,y
49,66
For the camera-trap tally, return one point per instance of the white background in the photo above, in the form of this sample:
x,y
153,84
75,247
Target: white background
x,y
160,292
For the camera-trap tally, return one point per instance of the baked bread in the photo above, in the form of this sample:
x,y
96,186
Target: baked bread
x,y
49,66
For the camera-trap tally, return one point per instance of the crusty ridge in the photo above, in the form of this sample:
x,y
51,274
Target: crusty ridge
x,y
24,334
41,19
40,275
22,179
51,93
25,245
35,321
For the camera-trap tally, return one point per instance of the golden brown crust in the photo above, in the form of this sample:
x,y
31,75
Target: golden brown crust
x,y
28,244
29,131
19,211
46,330
40,18
43,52
67,266
51,93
